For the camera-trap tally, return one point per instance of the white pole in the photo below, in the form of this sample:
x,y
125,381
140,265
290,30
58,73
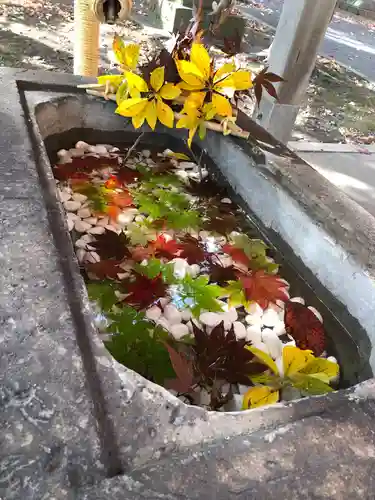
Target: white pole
x,y
299,34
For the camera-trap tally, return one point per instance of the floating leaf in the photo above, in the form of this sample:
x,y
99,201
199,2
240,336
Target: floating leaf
x,y
183,368
264,79
264,358
191,250
137,344
260,396
143,291
197,294
295,359
222,275
257,287
111,245
311,385
105,269
220,355
321,368
103,293
306,329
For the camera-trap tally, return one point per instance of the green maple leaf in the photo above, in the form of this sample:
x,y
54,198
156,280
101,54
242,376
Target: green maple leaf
x,y
139,234
255,250
103,293
189,219
197,294
137,344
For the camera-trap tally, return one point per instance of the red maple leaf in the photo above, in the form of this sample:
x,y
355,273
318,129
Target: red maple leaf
x,y
192,250
237,254
306,329
161,247
105,269
263,288
122,200
184,370
144,291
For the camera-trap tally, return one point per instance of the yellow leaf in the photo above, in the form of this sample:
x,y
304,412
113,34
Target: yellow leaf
x,y
264,358
150,113
131,55
186,86
209,111
169,91
118,47
221,104
126,55
241,80
139,119
225,69
122,92
179,156
191,135
294,359
184,122
131,107
194,101
321,368
157,78
201,59
260,396
115,80
164,113
310,384
135,81
190,74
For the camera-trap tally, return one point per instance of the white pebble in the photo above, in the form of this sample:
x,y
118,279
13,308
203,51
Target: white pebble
x,y
279,329
332,359
96,230
81,226
63,195
153,313
111,227
186,314
126,217
71,216
82,145
273,343
317,313
89,258
92,220
103,222
210,319
72,206
187,165
76,153
179,330
299,300
231,314
242,389
163,323
254,309
81,243
100,149
122,276
253,334
172,314
239,330
88,238
226,200
164,301
270,318
70,224
95,256
204,234
227,323
84,213
79,197
146,153
80,254
194,270
62,152
261,346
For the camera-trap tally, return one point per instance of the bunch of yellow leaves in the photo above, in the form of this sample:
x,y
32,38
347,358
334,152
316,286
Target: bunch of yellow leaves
x,y
146,102
127,57
200,77
300,369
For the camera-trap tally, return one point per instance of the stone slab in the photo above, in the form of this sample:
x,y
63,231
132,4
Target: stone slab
x,y
71,417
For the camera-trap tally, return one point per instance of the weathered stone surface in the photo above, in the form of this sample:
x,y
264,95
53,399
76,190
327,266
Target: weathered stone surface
x,y
70,415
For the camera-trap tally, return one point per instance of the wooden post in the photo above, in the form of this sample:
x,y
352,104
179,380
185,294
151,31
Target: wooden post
x,y
299,34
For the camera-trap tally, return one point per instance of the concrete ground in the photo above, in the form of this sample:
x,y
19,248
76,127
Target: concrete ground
x,y
350,168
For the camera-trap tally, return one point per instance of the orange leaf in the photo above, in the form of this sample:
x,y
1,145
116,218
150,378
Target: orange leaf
x,y
263,288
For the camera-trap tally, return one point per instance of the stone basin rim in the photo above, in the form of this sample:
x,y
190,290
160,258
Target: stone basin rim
x,y
268,417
